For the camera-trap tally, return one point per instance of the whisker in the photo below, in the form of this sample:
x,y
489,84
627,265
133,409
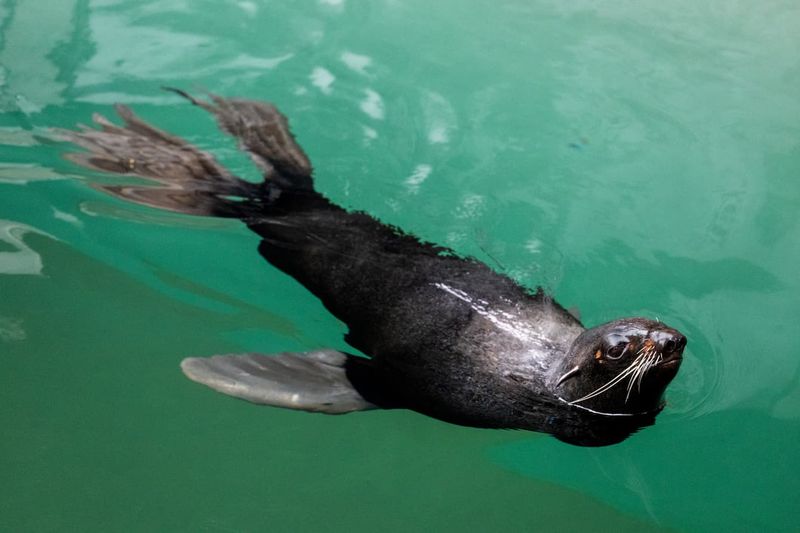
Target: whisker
x,y
647,363
647,357
605,387
619,377
632,380
639,372
648,366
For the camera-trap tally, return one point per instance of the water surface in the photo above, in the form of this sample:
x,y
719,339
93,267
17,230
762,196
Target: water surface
x,y
633,158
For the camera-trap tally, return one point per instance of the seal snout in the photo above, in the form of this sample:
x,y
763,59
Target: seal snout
x,y
676,343
670,344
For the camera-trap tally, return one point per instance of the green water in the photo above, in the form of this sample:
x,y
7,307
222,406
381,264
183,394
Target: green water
x,y
632,157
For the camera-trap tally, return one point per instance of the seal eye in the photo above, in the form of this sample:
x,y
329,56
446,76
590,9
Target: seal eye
x,y
616,351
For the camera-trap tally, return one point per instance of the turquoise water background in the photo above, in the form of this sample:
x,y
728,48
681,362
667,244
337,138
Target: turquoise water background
x,y
635,158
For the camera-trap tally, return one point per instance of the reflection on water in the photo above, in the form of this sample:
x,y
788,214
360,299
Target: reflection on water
x,y
22,173
322,79
356,62
23,260
11,330
31,57
372,105
17,137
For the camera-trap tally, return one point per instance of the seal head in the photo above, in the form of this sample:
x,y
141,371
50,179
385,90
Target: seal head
x,y
620,368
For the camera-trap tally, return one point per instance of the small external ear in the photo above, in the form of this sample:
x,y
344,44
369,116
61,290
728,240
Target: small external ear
x,y
568,375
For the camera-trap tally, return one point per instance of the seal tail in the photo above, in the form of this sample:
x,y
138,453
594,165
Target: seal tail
x,y
323,381
187,179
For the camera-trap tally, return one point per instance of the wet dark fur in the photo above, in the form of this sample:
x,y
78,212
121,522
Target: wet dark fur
x,y
442,331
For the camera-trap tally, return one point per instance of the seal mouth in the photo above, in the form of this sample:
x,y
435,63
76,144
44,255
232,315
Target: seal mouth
x,y
671,361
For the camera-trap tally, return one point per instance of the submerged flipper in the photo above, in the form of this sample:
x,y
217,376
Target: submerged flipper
x,y
312,381
183,178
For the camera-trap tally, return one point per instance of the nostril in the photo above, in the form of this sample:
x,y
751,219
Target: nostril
x,y
674,344
681,342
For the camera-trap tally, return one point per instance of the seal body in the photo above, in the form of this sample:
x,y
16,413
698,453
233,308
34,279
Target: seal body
x,y
438,327
445,335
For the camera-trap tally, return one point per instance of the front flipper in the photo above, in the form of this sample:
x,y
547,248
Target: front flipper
x,y
312,381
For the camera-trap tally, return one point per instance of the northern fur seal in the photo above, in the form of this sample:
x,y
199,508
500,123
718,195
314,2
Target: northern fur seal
x,y
445,335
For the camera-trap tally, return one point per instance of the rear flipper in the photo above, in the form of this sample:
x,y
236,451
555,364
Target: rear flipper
x,y
181,177
186,179
316,381
263,133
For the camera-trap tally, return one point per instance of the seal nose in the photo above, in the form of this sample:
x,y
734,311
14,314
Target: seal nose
x,y
672,343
